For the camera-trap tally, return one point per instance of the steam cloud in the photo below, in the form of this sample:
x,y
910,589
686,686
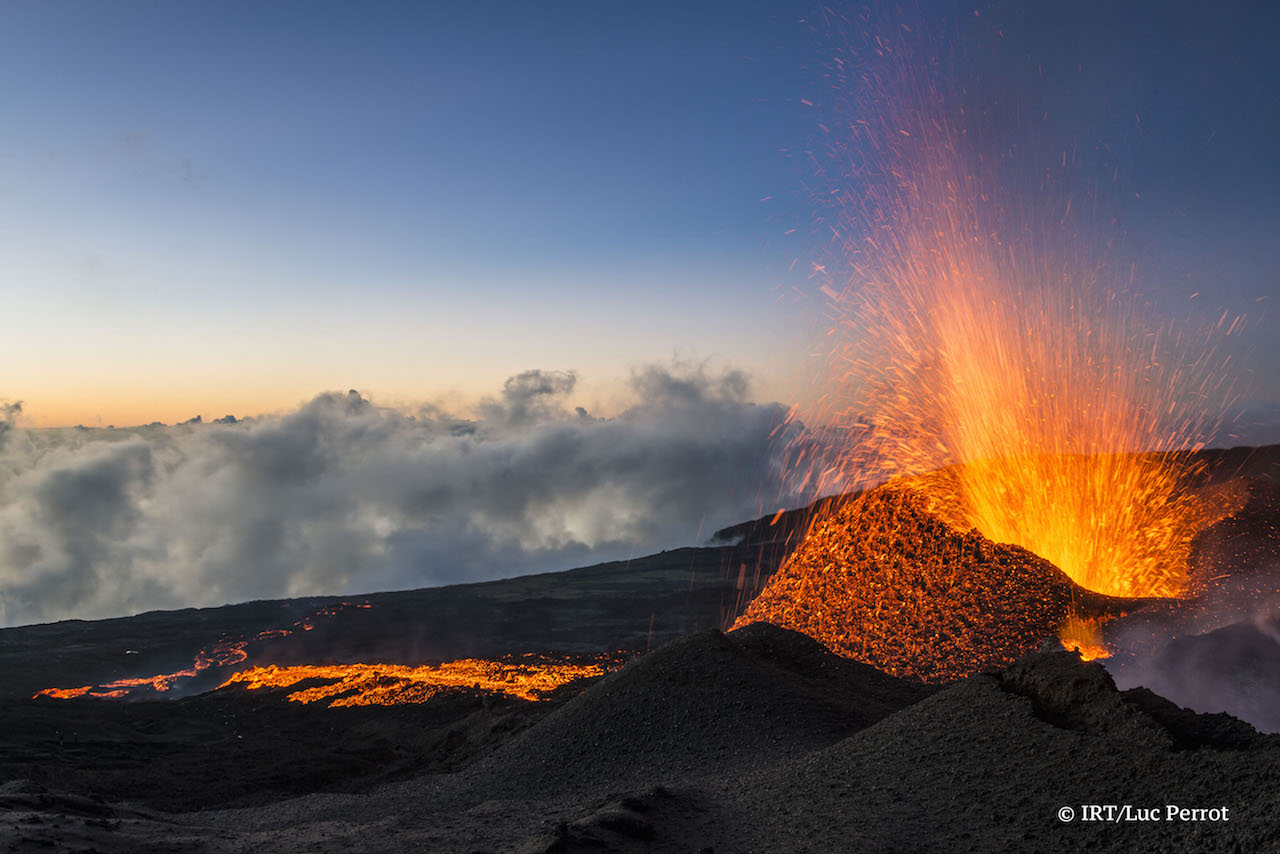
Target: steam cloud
x,y
1221,651
345,496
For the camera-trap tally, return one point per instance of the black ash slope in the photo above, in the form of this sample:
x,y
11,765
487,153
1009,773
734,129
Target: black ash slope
x,y
690,749
760,740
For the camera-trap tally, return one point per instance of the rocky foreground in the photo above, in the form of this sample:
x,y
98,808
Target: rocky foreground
x,y
758,740
755,740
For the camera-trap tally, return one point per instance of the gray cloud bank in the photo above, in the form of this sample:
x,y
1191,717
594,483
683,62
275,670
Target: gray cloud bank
x,y
344,496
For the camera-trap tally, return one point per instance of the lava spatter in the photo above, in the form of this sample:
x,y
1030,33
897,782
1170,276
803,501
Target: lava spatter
x,y
886,580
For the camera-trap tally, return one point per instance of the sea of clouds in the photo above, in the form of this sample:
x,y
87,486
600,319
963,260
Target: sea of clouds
x,y
345,496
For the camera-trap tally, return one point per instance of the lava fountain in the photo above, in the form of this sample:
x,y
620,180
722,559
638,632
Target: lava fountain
x,y
988,359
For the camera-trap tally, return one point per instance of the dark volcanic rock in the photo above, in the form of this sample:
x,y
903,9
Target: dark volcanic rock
x,y
978,768
631,605
1077,694
702,705
238,748
757,741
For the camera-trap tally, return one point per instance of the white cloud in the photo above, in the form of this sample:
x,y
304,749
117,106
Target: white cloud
x,y
345,496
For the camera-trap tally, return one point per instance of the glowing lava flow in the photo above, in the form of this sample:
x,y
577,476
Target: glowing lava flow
x,y
529,677
392,684
227,653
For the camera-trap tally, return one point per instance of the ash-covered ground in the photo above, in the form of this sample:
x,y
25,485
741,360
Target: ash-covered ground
x,y
756,740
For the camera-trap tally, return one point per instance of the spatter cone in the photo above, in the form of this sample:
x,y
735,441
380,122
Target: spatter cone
x,y
885,580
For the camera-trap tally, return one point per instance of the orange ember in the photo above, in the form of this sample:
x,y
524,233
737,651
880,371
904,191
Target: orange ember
x,y
392,684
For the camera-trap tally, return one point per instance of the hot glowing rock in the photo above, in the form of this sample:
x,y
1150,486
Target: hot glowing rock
x,y
1084,637
392,684
887,581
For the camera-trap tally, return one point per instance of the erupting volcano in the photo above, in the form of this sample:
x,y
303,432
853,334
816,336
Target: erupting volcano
x,y
888,579
993,566
991,361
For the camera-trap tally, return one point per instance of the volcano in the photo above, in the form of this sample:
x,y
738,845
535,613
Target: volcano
x,y
760,738
890,577
887,581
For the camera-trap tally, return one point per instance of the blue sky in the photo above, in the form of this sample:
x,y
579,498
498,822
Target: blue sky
x,y
404,198
229,207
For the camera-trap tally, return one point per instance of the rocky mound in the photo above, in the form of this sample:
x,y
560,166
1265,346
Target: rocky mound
x,y
746,732
886,581
701,705
988,763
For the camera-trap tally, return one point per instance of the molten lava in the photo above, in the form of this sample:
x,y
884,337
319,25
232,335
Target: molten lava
x,y
895,579
529,677
223,654
392,684
1084,637
887,581
979,336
